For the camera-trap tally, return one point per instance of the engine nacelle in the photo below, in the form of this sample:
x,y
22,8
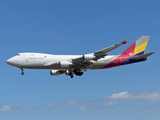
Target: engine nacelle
x,y
88,57
64,64
56,72
69,72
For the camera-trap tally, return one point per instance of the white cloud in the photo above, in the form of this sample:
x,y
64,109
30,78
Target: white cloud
x,y
10,108
76,102
6,108
71,102
122,95
26,107
147,106
50,104
83,108
111,104
151,96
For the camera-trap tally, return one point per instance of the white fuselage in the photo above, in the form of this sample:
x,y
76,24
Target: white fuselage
x,y
40,61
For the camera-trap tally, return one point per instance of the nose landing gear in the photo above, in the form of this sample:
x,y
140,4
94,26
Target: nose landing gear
x,y
22,73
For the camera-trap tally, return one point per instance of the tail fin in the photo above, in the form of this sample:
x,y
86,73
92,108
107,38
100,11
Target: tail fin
x,y
137,48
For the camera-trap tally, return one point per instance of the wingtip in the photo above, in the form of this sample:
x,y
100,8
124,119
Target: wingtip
x,y
152,52
124,42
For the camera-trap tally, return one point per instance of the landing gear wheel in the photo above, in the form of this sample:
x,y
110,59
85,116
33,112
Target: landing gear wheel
x,y
81,73
71,76
22,73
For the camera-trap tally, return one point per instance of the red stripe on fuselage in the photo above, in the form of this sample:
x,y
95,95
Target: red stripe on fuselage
x,y
125,55
129,50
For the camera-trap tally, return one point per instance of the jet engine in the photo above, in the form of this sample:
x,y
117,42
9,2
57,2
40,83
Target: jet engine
x,y
64,63
56,72
88,57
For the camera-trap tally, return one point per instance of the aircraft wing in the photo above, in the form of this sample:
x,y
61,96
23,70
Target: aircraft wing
x,y
98,54
111,47
82,65
84,60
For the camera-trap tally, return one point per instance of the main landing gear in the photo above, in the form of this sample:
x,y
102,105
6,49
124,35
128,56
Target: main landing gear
x,y
78,72
22,73
70,74
75,71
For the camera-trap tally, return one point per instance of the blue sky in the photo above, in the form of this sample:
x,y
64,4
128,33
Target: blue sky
x,y
79,27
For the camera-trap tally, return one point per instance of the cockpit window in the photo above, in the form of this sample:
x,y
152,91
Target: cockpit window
x,y
18,54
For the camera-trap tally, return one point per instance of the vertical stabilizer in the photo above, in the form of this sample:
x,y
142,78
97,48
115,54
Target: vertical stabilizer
x,y
137,48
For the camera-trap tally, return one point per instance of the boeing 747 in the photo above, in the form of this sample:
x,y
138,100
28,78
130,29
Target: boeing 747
x,y
75,64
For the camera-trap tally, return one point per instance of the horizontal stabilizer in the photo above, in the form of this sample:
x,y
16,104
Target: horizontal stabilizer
x,y
141,56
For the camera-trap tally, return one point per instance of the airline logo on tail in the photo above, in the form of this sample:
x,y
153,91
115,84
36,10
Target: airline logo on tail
x,y
135,53
138,47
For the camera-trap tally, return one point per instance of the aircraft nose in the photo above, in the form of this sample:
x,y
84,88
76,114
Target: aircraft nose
x,y
10,61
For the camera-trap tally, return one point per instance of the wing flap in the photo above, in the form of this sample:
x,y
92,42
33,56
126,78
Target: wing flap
x,y
82,65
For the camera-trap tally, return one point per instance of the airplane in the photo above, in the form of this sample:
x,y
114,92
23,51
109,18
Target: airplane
x,y
76,64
